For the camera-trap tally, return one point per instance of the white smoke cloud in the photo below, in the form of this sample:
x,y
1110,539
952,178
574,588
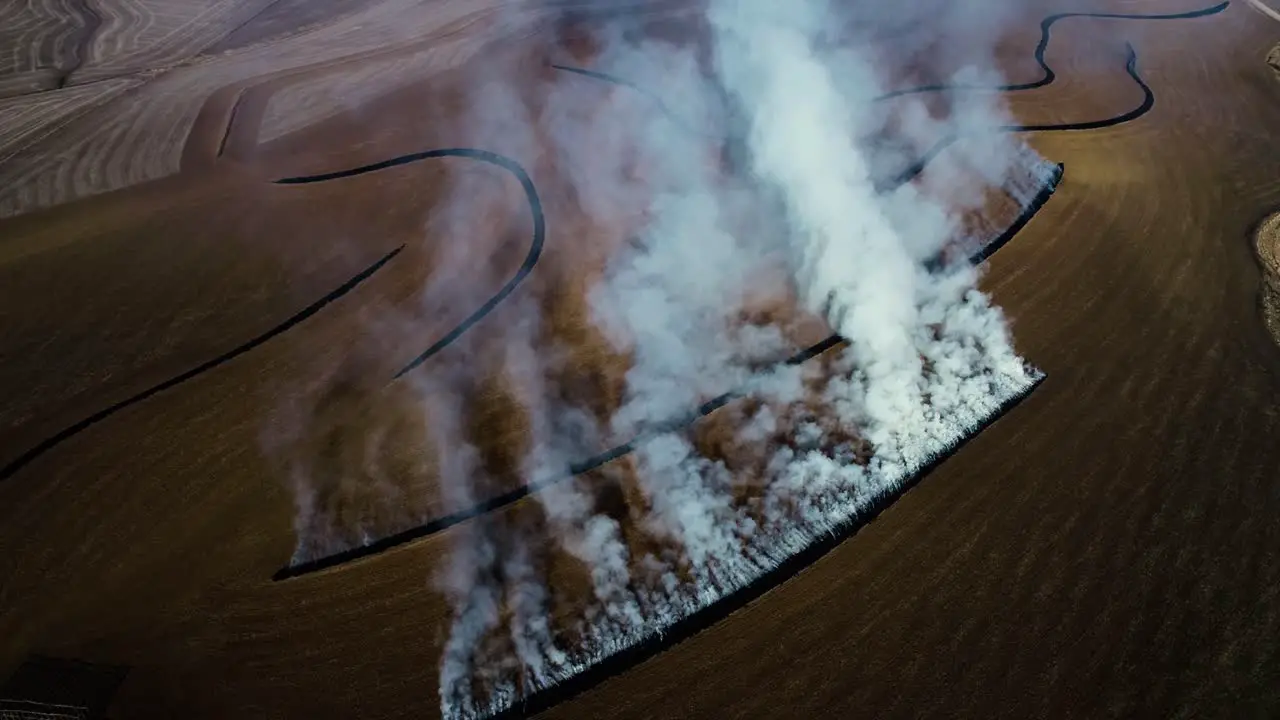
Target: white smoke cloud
x,y
928,357
760,207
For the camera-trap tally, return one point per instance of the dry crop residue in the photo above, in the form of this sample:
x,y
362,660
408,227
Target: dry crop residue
x,y
1267,244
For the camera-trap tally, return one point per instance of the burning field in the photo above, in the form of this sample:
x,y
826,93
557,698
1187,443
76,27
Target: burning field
x,y
740,311
466,355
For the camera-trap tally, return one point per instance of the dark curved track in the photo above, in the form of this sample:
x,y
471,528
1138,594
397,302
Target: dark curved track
x,y
1047,74
1144,107
530,259
539,237
65,434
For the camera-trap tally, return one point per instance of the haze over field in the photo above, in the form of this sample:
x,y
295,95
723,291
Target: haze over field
x,y
733,250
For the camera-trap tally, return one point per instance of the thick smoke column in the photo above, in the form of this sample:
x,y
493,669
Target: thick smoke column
x,y
851,266
854,266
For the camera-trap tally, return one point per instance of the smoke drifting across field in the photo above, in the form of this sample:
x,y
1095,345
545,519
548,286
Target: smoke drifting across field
x,y
928,357
736,250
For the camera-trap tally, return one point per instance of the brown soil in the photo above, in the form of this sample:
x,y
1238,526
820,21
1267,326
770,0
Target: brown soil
x,y
1107,549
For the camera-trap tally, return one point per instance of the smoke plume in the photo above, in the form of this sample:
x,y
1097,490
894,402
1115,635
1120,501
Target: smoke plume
x,y
743,194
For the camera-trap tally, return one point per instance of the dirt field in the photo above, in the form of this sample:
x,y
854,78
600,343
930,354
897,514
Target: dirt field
x,y
1106,549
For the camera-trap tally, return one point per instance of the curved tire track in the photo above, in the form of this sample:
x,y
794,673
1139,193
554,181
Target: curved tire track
x,y
531,259
1131,68
1047,74
67,433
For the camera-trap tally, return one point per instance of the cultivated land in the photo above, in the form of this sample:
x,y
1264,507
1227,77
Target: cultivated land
x,y
1104,549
